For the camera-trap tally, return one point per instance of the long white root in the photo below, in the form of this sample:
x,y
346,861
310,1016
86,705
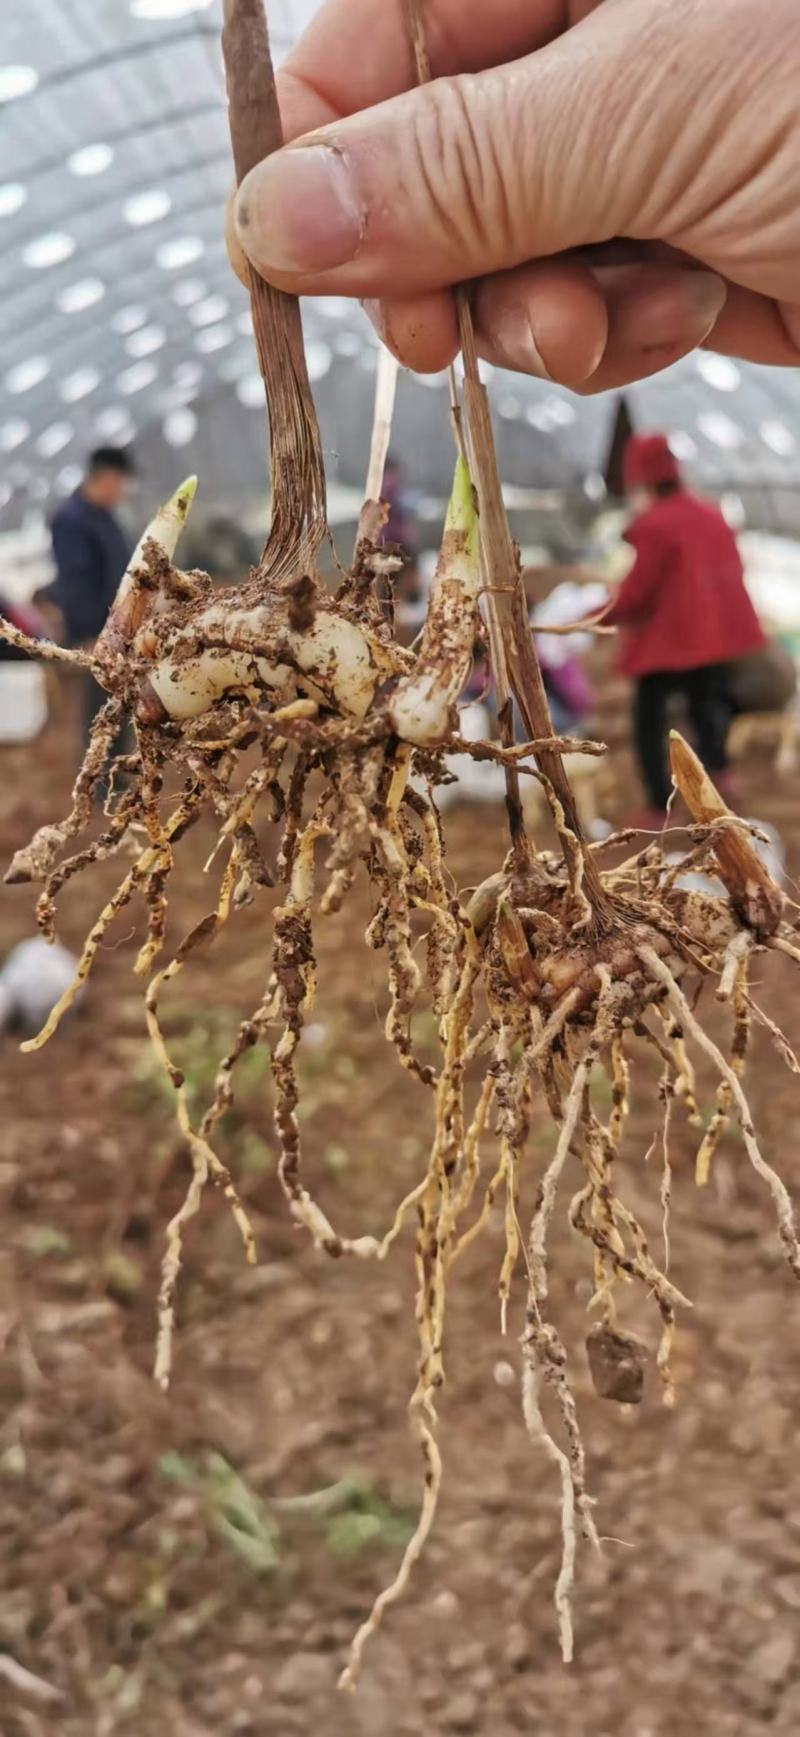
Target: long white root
x,y
780,1194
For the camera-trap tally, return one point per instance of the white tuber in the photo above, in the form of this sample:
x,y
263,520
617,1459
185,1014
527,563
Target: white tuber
x,y
188,689
333,659
330,657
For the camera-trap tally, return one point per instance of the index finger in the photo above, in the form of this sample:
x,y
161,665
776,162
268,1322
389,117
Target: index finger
x,y
356,53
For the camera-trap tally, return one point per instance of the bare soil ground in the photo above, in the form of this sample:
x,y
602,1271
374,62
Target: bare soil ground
x,y
155,1575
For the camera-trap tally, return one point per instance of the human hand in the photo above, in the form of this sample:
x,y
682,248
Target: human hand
x,y
674,127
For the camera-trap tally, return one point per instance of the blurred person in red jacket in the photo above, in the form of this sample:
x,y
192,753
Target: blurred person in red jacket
x,y
685,615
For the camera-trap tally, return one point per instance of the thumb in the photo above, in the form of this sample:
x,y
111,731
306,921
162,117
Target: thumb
x,y
467,175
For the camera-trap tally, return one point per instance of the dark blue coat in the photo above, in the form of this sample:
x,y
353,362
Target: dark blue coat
x,y
91,553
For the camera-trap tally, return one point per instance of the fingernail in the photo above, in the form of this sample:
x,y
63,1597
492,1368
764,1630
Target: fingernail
x,y
668,313
706,293
298,211
514,339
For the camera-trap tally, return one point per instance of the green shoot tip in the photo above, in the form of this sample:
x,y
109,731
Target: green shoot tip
x,y
461,511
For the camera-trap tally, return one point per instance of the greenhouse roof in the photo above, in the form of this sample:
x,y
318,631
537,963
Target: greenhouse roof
x,y
120,319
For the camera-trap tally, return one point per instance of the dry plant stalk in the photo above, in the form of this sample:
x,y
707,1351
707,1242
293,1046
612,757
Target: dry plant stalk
x,y
554,971
298,477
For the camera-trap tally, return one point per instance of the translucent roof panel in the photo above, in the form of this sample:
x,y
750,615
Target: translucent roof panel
x,y
115,168
119,313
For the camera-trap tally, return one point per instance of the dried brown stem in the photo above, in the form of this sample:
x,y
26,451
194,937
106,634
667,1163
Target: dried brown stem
x,y
299,520
515,662
755,897
386,372
416,35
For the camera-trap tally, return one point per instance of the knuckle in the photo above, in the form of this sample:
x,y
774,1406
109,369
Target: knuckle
x,y
456,159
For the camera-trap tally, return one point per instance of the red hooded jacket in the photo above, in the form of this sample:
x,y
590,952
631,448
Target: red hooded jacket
x,y
684,602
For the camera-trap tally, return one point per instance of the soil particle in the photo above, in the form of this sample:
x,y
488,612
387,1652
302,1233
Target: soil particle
x,y
617,1363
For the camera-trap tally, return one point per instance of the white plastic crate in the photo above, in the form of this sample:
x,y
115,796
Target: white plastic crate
x,y
23,702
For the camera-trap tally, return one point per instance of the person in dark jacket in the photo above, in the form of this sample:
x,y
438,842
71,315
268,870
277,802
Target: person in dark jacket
x,y
685,615
91,551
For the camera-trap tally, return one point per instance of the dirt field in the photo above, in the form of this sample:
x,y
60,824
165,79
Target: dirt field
x,y
156,1573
